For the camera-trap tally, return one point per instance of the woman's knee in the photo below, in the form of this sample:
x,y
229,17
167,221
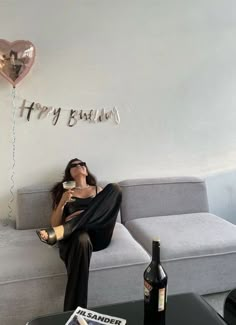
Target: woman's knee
x,y
84,240
114,187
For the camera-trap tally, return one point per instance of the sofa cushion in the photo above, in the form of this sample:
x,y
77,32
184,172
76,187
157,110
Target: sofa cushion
x,y
123,251
162,196
198,249
23,256
33,278
35,207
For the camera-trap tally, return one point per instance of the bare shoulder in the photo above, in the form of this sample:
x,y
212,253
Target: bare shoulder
x,y
99,189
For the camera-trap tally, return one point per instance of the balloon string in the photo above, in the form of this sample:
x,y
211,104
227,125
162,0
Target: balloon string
x,y
12,198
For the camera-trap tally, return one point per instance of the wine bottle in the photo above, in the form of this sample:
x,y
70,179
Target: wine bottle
x,y
155,289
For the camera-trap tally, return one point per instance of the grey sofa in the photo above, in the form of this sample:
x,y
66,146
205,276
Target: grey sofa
x,y
194,245
198,249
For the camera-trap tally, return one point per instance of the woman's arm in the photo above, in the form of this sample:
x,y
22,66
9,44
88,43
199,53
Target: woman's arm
x,y
56,217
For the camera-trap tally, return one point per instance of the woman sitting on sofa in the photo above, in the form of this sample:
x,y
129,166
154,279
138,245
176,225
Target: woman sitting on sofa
x,y
82,220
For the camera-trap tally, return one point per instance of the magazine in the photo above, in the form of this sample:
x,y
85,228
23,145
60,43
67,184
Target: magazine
x,y
82,316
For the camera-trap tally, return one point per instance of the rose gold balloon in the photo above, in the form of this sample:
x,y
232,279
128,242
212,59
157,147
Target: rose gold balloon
x,y
16,59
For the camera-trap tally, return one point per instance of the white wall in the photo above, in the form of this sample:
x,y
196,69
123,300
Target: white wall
x,y
221,188
169,67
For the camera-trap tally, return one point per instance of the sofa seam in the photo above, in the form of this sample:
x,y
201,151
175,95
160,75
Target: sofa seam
x,y
193,182
200,256
32,191
118,267
33,278
62,274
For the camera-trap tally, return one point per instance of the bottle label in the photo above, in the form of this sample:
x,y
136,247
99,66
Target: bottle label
x,y
147,289
161,300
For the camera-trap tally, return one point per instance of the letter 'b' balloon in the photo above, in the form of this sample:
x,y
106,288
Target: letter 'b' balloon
x,y
16,59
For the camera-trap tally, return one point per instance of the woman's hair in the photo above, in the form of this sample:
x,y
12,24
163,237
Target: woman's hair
x,y
58,190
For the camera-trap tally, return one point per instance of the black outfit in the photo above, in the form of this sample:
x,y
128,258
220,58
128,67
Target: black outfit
x,y
90,231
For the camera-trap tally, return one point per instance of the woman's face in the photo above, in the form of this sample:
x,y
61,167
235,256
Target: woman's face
x,y
78,168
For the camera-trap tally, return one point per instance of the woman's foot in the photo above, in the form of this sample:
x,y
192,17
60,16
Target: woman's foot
x,y
51,235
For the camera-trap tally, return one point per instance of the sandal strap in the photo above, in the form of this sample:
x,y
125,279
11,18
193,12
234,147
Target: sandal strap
x,y
52,238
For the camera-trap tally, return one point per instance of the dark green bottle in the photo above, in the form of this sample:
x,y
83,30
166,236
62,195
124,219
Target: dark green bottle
x,y
155,289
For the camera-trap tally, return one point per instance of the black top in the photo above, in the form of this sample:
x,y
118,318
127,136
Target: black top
x,y
77,205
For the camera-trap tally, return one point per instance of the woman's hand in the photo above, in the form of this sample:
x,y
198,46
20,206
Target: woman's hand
x,y
66,197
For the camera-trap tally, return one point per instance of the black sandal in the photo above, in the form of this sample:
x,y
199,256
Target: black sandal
x,y
52,238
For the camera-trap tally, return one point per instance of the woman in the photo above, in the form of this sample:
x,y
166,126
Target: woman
x,y
81,226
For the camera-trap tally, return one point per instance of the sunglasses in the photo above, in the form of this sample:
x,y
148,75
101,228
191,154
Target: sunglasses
x,y
81,164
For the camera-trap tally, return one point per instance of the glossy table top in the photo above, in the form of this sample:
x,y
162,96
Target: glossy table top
x,y
182,309
230,308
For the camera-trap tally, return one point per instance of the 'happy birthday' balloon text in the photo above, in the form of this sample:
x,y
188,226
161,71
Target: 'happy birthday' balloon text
x,y
75,115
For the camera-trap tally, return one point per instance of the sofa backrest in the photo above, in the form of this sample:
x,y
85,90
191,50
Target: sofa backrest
x,y
35,206
162,196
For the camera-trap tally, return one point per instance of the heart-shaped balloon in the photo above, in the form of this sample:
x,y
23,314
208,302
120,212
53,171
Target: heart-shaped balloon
x,y
16,59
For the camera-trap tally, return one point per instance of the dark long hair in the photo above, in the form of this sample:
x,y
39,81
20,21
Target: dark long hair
x,y
58,190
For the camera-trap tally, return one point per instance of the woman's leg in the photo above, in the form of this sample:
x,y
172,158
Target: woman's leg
x,y
76,253
100,214
76,249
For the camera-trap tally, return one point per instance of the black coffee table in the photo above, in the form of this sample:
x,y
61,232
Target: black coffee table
x,y
182,309
230,308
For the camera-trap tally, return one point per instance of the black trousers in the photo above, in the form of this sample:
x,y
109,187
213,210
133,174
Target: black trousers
x,y
90,231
